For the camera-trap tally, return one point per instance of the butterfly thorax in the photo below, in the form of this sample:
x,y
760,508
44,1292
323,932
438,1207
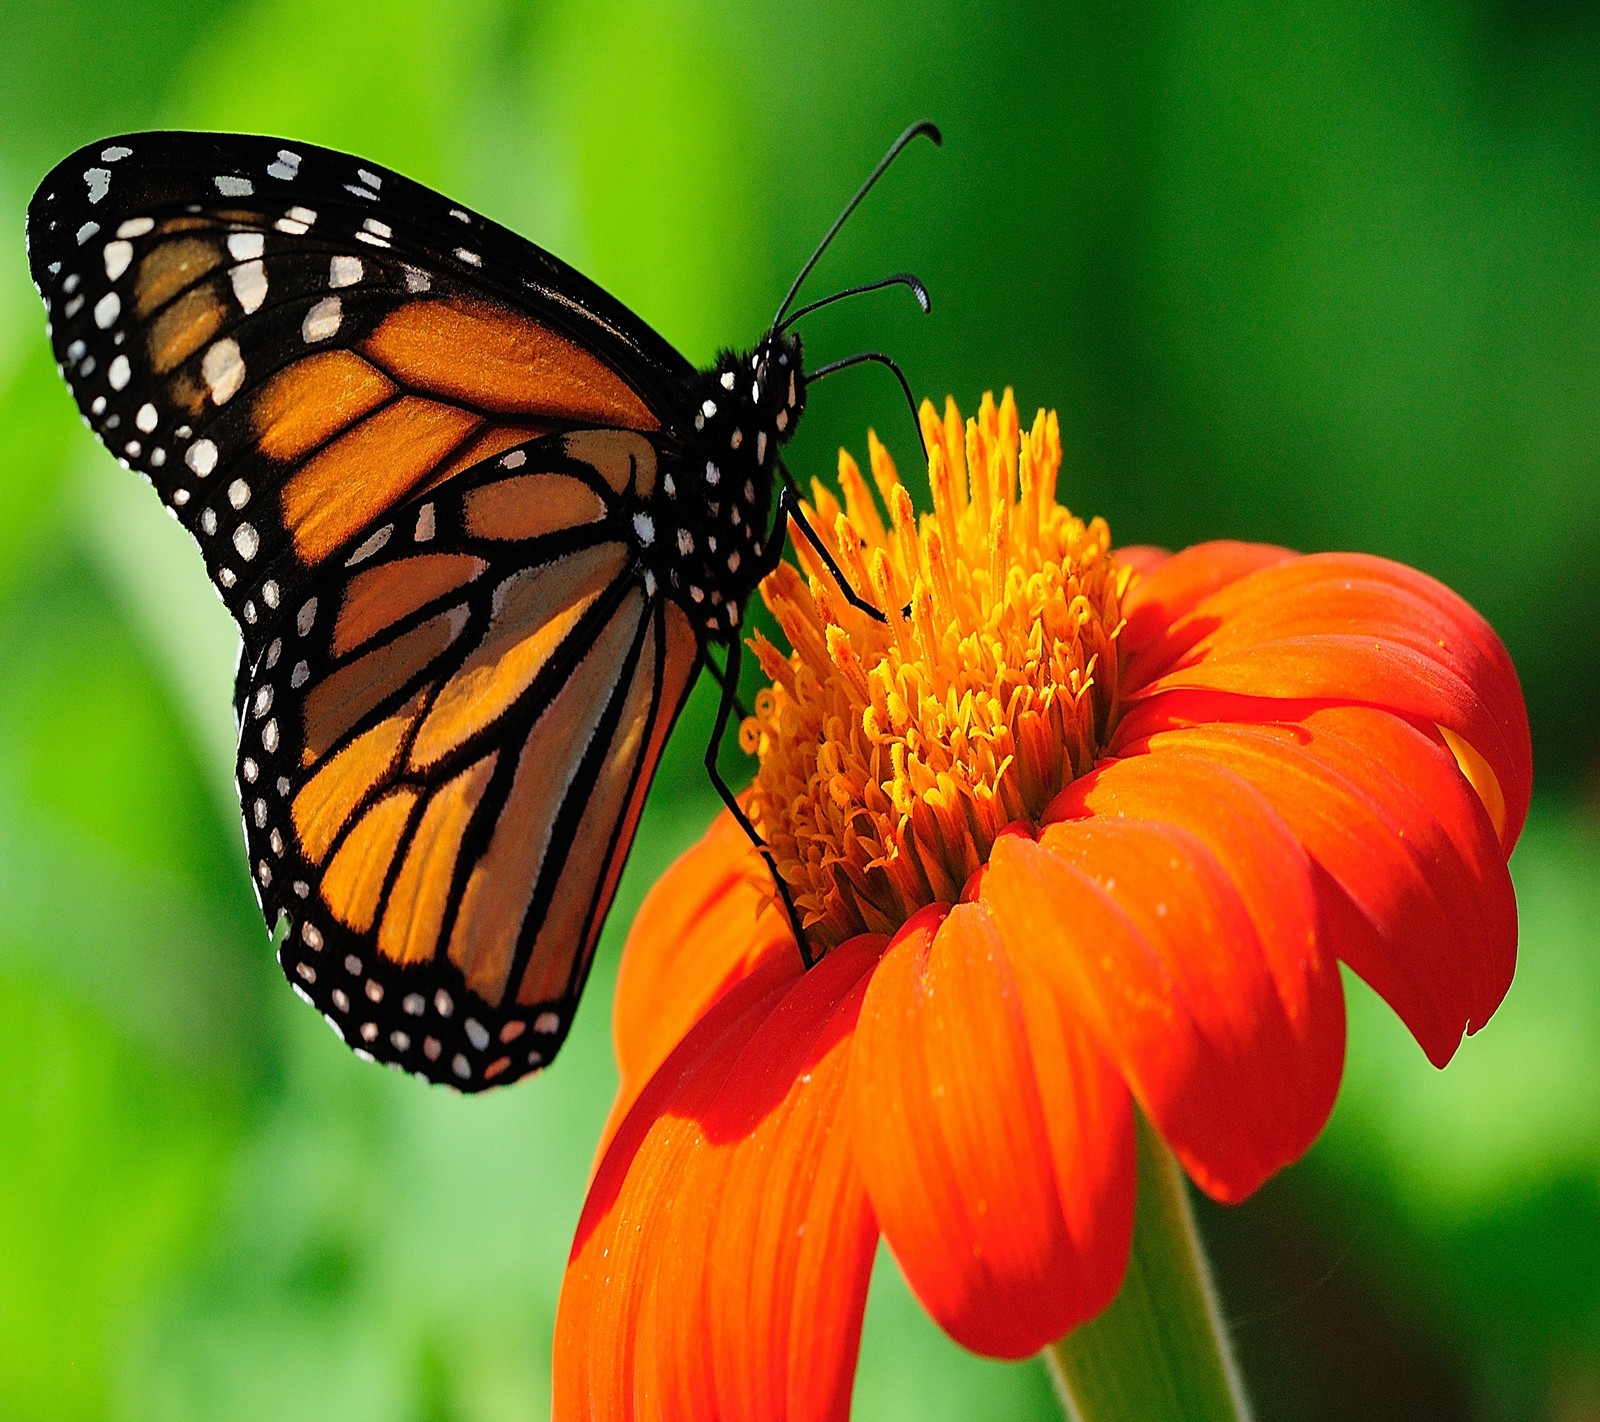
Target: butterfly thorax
x,y
705,530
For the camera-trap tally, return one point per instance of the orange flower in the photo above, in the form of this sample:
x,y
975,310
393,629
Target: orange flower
x,y
1078,830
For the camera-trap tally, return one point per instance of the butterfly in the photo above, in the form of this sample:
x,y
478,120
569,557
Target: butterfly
x,y
478,525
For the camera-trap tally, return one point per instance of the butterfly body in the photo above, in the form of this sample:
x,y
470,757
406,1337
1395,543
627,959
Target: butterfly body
x,y
477,524
704,536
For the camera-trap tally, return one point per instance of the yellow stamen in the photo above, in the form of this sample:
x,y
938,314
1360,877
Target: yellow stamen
x,y
892,753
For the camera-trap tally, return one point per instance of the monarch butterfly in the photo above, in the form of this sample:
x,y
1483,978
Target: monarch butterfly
x,y
478,525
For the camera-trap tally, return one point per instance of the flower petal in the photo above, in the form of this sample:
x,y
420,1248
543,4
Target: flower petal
x,y
995,1140
1412,878
699,930
1301,1027
1166,592
722,1260
1354,629
1141,927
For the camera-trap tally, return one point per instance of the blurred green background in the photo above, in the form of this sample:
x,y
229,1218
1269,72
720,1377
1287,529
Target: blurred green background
x,y
1321,273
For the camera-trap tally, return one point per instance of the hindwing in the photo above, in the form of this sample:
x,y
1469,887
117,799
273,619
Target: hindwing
x,y
444,752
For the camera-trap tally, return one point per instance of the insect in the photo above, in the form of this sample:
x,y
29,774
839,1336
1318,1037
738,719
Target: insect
x,y
479,527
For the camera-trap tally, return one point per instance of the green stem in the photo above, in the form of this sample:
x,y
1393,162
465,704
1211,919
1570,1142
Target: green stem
x,y
1160,1351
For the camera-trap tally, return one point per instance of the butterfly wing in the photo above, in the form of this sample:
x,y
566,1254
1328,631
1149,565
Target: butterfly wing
x,y
408,443
289,343
445,751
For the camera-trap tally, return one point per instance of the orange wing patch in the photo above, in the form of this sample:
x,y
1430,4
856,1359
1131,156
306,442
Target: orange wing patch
x,y
496,439
484,939
380,596
179,331
528,505
620,458
483,354
325,801
349,486
312,400
354,881
578,908
549,969
534,611
338,703
171,266
414,915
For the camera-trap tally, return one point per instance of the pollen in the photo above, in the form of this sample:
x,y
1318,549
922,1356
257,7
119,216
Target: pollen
x,y
892,753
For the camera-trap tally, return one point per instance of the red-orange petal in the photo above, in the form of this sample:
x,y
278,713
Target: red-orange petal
x,y
995,1140
1144,930
700,929
722,1260
1301,1024
1412,878
1141,559
1165,592
1353,629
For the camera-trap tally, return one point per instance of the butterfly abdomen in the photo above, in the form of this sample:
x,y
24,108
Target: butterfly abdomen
x,y
703,533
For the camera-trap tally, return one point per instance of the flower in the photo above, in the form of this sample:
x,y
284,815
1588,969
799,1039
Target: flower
x,y
1080,829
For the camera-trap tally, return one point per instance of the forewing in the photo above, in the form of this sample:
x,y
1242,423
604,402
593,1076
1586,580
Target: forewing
x,y
291,343
445,750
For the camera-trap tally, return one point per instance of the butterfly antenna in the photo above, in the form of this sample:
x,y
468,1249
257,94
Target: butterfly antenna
x,y
923,127
877,358
905,279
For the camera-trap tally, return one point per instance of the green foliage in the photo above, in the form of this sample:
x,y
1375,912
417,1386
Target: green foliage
x,y
1321,273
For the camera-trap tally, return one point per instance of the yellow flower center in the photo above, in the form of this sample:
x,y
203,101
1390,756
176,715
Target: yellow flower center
x,y
893,753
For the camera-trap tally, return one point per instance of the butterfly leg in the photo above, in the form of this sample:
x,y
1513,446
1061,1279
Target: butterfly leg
x,y
725,706
789,511
720,676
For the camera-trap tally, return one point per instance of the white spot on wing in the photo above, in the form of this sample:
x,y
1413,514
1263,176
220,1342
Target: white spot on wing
x,y
250,286
115,153
230,186
202,457
247,541
245,246
99,181
425,523
322,320
87,231
344,270
117,255
119,373
371,546
106,310
136,227
147,418
222,369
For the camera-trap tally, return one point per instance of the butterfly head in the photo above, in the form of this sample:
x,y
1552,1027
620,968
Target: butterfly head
x,y
758,398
